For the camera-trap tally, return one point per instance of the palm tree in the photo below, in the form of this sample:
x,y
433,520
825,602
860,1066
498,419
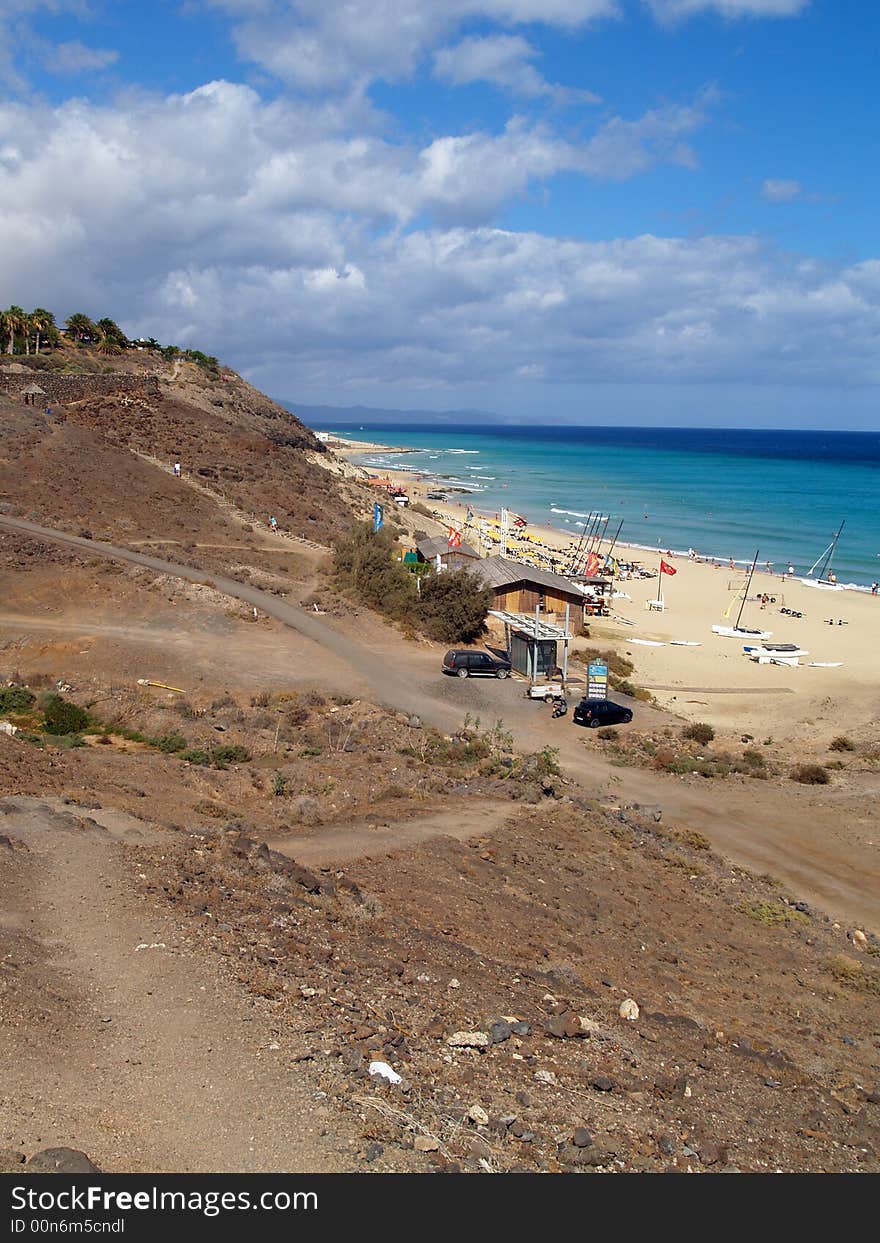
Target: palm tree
x,y
27,330
13,322
80,326
113,339
42,323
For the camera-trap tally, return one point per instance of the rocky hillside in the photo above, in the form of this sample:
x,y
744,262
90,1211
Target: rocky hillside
x,y
101,457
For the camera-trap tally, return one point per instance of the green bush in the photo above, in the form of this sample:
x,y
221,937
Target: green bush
x,y
452,607
842,743
364,563
547,762
169,743
753,758
772,914
60,716
15,698
229,754
699,732
196,756
810,775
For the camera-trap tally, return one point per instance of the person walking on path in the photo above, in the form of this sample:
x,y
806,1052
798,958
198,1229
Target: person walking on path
x,y
273,524
176,470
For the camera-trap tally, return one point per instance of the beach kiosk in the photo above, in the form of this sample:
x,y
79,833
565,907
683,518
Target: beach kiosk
x,y
534,644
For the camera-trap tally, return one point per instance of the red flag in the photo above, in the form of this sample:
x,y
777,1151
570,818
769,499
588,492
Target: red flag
x,y
592,564
454,538
666,568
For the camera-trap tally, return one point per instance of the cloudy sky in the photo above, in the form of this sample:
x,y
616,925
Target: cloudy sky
x,y
603,210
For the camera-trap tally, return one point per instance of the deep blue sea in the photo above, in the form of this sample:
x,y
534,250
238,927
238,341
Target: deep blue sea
x,y
724,492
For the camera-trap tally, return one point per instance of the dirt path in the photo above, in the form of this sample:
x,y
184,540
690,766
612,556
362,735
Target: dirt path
x,y
782,831
257,656
359,841
166,1065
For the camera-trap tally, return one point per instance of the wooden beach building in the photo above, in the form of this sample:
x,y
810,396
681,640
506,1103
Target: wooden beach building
x,y
460,556
525,589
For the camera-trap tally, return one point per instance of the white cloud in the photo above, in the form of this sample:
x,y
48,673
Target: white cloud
x,y
672,10
315,44
74,57
781,191
505,61
19,40
267,234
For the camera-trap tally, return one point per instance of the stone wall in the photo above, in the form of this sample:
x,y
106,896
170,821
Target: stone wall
x,y
61,387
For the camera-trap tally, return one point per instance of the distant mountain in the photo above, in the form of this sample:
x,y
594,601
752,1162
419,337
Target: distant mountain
x,y
327,416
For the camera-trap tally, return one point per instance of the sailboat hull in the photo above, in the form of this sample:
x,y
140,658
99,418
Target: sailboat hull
x,y
812,582
740,632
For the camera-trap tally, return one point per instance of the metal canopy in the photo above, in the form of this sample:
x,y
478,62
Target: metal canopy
x,y
527,625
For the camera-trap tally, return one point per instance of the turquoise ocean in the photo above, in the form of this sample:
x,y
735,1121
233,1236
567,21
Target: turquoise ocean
x,y
723,492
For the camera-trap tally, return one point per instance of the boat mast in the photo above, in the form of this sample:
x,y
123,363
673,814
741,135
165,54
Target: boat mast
x,y
576,555
614,541
746,592
598,547
826,565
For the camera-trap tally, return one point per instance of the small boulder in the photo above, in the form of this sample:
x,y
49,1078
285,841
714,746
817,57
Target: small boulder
x,y
469,1040
564,1025
499,1031
61,1161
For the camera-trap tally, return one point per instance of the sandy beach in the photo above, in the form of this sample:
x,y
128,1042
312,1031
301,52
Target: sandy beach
x,y
714,681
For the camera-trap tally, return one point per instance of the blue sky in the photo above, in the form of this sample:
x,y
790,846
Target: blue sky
x,y
618,210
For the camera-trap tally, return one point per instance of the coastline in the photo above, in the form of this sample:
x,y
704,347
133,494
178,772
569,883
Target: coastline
x,y
714,680
418,483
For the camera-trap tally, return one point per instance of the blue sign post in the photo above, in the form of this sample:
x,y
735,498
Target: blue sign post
x,y
597,681
378,517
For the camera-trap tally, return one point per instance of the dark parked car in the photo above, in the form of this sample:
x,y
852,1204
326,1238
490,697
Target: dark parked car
x,y
465,664
596,712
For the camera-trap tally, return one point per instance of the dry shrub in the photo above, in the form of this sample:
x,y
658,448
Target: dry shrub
x,y
810,775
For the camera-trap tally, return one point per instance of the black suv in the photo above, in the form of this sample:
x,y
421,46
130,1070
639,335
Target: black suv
x,y
596,712
466,664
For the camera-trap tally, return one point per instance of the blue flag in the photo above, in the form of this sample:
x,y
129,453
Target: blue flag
x,y
378,517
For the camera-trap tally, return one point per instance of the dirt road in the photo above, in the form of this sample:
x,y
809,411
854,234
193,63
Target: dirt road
x,y
791,833
166,1065
330,846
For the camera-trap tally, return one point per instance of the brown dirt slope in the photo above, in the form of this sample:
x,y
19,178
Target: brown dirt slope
x,y
79,467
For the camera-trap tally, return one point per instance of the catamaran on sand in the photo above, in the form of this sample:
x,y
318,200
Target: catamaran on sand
x,y
737,631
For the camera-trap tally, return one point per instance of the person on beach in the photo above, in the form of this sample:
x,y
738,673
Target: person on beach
x,y
874,588
732,566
